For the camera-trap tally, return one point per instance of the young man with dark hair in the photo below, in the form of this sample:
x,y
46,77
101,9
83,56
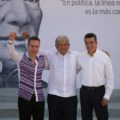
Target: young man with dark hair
x,y
97,80
30,67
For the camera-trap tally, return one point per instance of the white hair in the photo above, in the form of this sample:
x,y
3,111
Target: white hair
x,y
61,38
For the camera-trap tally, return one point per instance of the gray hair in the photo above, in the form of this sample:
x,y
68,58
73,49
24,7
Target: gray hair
x,y
62,38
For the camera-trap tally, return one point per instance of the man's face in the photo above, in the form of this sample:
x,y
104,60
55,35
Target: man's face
x,y
62,47
91,45
33,47
19,16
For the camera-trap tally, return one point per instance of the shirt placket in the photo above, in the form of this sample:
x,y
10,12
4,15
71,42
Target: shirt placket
x,y
65,74
35,77
90,71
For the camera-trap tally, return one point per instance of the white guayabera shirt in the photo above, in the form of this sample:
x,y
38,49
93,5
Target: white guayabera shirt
x,y
63,70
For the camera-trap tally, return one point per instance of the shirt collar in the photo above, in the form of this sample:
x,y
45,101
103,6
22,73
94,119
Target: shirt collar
x,y
95,53
68,52
29,56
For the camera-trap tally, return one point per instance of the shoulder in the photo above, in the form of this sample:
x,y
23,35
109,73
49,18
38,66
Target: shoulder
x,y
42,56
102,55
75,52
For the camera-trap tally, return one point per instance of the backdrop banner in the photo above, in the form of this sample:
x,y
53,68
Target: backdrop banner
x,y
50,18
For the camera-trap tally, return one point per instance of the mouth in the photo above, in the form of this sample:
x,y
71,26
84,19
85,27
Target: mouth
x,y
18,38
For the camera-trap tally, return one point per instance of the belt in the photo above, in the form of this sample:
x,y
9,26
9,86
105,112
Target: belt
x,y
92,88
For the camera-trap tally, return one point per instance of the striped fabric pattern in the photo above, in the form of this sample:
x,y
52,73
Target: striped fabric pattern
x,y
27,74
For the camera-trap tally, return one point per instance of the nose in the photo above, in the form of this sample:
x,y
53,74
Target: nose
x,y
19,14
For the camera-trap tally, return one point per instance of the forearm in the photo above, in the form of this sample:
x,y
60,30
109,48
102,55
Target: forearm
x,y
108,92
12,52
109,79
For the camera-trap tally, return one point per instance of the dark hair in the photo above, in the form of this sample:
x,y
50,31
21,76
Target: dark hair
x,y
34,38
90,35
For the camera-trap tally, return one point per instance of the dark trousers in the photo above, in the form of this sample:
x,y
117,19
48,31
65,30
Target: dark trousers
x,y
90,98
28,109
62,108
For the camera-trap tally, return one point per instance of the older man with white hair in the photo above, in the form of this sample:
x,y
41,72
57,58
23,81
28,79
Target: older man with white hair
x,y
62,98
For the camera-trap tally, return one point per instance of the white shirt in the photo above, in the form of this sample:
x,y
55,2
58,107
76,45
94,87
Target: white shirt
x,y
63,70
97,71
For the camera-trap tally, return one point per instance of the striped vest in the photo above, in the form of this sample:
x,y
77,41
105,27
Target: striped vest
x,y
30,78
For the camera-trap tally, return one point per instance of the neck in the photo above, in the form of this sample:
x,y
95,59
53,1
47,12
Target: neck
x,y
91,53
63,54
32,56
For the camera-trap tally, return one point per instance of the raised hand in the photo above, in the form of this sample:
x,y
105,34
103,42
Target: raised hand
x,y
12,36
25,35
